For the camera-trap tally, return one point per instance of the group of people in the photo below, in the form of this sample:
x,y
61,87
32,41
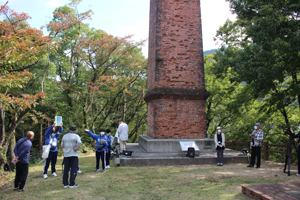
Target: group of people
x,y
257,137
71,143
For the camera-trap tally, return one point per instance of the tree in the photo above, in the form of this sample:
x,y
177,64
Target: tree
x,y
262,49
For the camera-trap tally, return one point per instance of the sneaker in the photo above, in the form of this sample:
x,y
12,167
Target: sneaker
x,y
298,174
218,164
97,170
45,176
66,186
73,186
250,166
107,167
79,171
54,174
103,170
221,164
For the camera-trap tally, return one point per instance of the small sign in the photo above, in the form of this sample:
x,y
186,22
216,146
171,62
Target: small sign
x,y
58,120
184,145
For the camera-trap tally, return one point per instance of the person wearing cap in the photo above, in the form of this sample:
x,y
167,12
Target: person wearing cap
x,y
122,135
219,145
51,135
71,142
257,137
109,142
22,153
101,148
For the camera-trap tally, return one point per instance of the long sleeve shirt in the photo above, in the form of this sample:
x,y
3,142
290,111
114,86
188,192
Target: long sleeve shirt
x,y
98,138
259,138
22,150
54,137
69,141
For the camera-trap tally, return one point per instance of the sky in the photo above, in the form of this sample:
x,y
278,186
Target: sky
x,y
124,17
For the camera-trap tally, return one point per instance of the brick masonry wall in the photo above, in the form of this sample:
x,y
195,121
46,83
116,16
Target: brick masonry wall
x,y
176,88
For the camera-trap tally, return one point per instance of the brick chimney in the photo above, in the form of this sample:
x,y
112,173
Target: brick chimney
x,y
176,93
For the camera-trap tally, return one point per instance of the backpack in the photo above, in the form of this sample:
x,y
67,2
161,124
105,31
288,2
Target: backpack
x,y
191,152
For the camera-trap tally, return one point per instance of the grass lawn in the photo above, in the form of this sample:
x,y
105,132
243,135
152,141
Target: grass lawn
x,y
155,182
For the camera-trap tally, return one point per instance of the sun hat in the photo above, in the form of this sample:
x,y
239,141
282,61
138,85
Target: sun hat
x,y
73,129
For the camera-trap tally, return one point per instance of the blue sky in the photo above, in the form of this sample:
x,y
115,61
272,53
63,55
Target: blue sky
x,y
124,17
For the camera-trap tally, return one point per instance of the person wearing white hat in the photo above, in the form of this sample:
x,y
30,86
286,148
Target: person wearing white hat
x,y
257,137
219,145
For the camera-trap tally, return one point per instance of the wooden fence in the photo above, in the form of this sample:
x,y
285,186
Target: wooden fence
x,y
265,147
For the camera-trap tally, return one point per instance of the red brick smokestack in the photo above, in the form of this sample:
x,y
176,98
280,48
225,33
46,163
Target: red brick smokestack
x,y
176,94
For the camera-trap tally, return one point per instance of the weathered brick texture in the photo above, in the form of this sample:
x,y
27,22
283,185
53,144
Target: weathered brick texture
x,y
176,89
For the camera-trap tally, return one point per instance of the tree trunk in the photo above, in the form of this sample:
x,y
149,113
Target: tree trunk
x,y
124,108
10,152
41,139
2,130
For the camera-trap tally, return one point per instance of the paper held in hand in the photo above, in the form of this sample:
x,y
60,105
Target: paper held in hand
x,y
58,120
103,141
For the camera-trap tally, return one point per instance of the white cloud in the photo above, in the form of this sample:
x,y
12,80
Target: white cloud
x,y
214,13
54,3
139,30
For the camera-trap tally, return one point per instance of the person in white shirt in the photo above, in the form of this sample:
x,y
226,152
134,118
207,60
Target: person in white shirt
x,y
122,135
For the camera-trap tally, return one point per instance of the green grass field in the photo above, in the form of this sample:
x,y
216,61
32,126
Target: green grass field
x,y
155,182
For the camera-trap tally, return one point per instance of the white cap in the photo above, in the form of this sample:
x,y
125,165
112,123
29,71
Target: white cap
x,y
219,127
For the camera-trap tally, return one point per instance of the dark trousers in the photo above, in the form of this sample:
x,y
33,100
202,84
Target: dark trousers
x,y
70,162
21,175
107,157
256,151
101,155
53,159
220,155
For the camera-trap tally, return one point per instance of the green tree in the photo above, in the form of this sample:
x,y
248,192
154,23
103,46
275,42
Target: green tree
x,y
262,50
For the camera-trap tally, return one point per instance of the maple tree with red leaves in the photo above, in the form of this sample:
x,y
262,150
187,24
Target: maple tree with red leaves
x,y
22,49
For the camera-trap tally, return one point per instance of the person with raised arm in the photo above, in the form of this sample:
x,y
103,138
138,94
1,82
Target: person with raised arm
x,y
101,148
51,137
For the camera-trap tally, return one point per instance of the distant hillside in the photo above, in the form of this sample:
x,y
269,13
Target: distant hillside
x,y
208,52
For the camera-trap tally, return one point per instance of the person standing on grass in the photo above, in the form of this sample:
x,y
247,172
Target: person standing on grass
x,y
71,142
101,148
257,137
122,135
52,136
219,145
109,142
22,153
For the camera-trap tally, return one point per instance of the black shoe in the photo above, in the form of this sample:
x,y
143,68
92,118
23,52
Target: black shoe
x,y
250,166
257,166
73,186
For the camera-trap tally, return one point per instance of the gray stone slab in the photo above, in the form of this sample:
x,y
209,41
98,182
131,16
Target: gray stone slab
x,y
141,158
151,145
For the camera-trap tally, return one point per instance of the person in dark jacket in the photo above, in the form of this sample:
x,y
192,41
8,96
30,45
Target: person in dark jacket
x,y
22,153
52,136
109,142
101,148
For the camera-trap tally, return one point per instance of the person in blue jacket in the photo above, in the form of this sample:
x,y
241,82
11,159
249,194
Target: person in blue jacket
x,y
52,135
22,153
109,142
101,148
